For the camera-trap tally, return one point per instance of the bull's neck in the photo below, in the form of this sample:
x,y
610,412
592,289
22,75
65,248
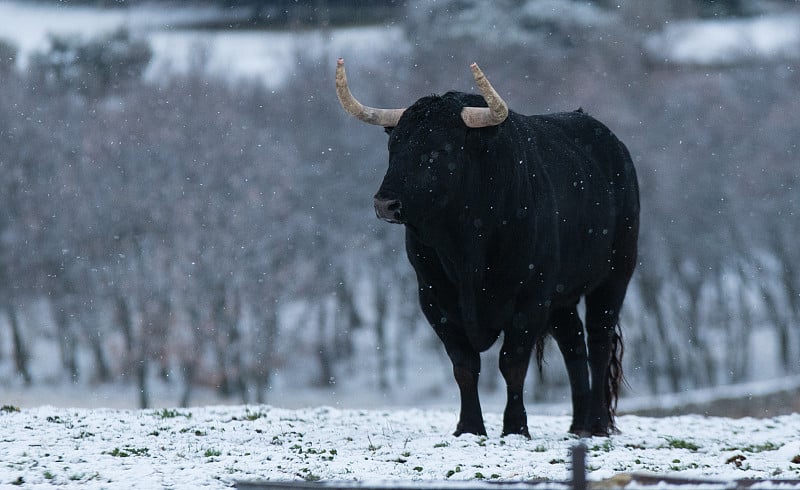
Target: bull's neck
x,y
487,199
461,235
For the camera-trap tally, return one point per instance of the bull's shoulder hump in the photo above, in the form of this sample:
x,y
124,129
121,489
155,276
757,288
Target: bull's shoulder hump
x,y
573,120
574,126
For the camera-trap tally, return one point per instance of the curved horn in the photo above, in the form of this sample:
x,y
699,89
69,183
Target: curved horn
x,y
381,117
481,117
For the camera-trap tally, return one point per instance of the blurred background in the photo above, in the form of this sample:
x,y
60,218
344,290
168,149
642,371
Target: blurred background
x,y
186,212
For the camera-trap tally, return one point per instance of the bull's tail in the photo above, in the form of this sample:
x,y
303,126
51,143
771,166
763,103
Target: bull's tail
x,y
539,348
616,378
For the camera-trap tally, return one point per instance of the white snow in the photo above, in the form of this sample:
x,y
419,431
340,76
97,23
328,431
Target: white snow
x,y
29,23
719,42
269,56
215,447
674,401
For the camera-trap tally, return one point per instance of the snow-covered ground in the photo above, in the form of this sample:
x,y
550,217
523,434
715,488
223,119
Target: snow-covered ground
x,y
728,41
29,23
218,445
270,56
267,55
214,447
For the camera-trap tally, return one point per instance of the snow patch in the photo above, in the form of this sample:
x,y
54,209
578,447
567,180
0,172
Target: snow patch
x,y
269,56
730,41
214,447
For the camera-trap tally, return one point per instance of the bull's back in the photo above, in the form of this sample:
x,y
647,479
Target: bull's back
x,y
585,138
587,174
587,165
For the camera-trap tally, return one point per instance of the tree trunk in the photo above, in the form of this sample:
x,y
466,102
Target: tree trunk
x,y
267,337
326,374
649,288
101,370
225,314
66,339
347,319
124,322
141,383
700,359
188,348
381,317
189,367
21,356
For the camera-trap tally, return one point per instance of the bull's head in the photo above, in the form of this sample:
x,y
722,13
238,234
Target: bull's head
x,y
426,145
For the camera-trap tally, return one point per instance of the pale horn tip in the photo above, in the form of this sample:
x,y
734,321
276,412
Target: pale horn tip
x,y
481,117
382,117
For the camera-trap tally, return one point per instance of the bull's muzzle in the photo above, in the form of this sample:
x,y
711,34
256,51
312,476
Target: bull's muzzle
x,y
389,210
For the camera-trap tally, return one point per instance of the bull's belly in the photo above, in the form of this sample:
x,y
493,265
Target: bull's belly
x,y
497,311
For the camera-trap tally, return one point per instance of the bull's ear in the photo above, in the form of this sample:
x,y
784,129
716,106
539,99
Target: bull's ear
x,y
388,129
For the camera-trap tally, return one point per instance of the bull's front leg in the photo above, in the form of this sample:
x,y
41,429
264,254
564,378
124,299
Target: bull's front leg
x,y
466,368
514,359
439,302
466,365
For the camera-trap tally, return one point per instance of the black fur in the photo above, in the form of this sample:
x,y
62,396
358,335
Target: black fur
x,y
507,228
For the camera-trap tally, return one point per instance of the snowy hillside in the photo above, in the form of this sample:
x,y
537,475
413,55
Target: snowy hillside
x,y
727,42
257,54
216,446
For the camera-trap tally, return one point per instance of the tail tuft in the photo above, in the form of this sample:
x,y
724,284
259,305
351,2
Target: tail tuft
x,y
539,347
616,378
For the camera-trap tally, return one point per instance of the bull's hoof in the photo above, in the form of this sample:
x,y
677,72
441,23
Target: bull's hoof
x,y
477,429
605,432
594,431
522,431
581,432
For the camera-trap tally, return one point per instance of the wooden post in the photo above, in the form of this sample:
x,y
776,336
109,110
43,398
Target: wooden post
x,y
579,467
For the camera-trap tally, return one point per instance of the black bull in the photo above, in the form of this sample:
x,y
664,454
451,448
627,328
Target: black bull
x,y
508,225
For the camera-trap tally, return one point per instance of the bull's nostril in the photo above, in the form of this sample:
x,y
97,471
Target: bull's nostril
x,y
388,209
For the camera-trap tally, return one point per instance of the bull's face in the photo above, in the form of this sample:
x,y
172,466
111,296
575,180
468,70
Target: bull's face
x,y
425,162
426,144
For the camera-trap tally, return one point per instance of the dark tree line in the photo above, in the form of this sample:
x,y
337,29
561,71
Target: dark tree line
x,y
217,233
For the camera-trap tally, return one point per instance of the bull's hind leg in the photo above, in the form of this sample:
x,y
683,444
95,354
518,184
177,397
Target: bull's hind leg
x,y
567,330
602,315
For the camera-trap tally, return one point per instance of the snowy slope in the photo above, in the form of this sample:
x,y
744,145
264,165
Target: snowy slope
x,y
265,55
728,41
217,446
